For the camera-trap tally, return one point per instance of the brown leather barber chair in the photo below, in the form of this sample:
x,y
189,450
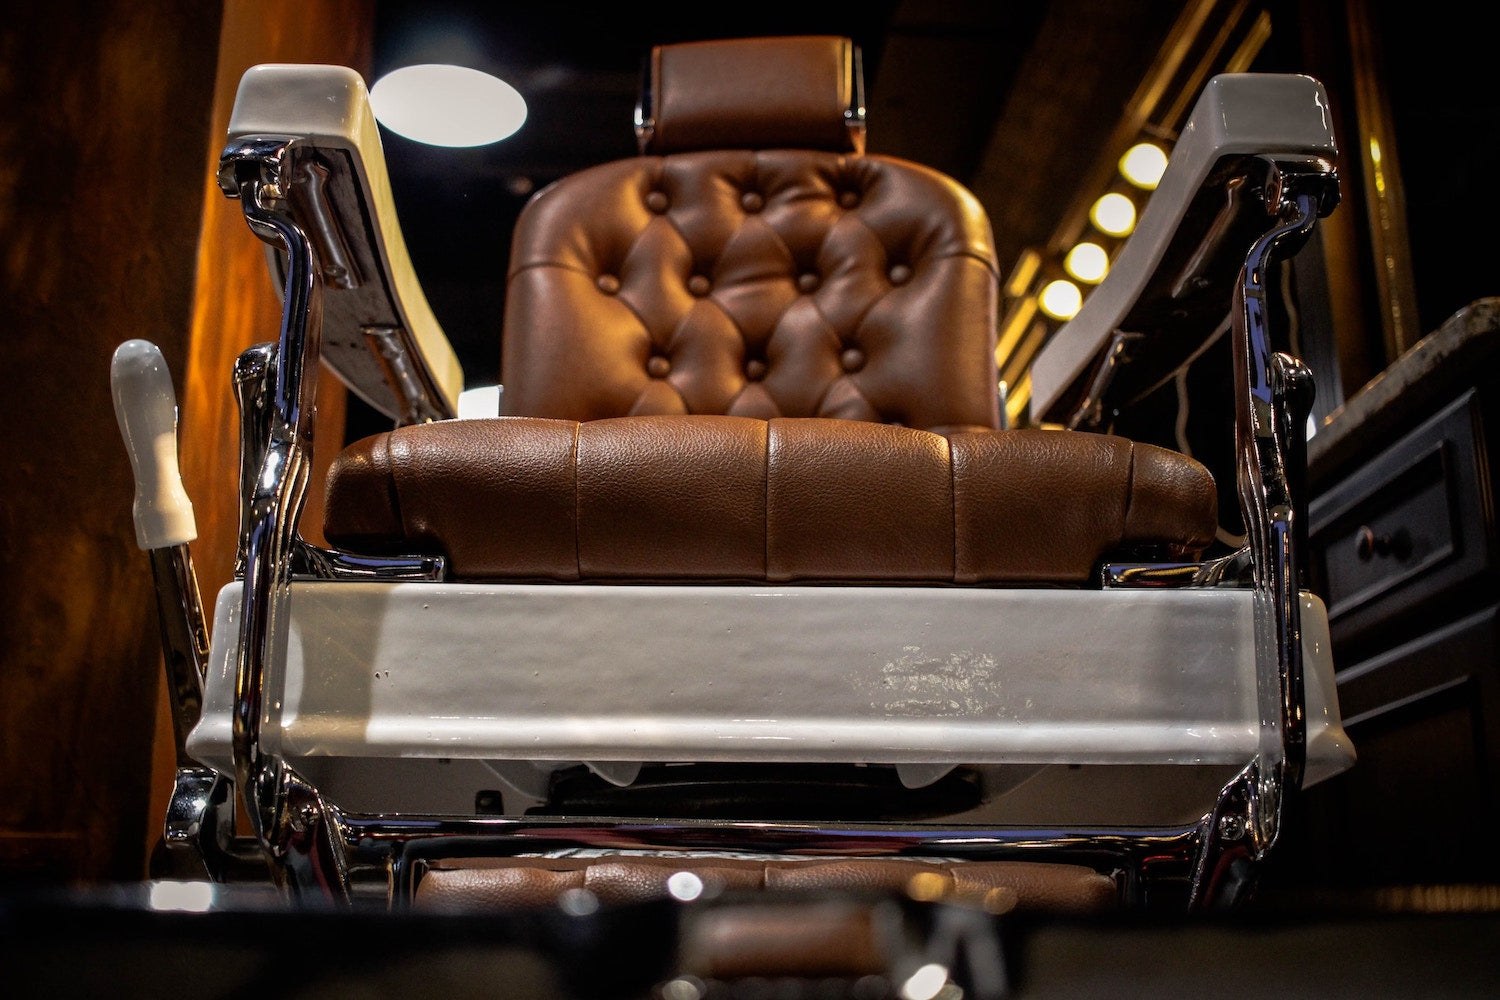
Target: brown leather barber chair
x,y
748,587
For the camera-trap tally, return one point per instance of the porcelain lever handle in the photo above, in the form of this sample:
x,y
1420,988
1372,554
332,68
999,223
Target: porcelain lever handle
x,y
146,408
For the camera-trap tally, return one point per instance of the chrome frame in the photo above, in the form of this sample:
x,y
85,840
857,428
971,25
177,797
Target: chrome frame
x,y
318,851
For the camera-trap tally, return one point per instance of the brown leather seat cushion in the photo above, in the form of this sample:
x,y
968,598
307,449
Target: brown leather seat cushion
x,y
999,886
692,498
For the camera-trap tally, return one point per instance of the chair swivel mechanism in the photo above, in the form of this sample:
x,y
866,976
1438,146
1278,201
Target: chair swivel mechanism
x,y
748,579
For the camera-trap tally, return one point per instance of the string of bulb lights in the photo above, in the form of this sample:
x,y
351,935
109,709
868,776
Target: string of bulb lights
x,y
1113,215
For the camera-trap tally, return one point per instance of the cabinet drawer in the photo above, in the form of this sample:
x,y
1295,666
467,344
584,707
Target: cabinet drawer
x,y
1407,527
1459,655
1420,803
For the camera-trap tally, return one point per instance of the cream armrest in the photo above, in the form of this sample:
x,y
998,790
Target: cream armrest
x,y
1168,282
379,334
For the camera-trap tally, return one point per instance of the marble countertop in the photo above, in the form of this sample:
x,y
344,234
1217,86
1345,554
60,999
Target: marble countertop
x,y
1435,369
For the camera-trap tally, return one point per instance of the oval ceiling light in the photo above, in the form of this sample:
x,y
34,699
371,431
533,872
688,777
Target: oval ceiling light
x,y
1113,214
444,105
1143,164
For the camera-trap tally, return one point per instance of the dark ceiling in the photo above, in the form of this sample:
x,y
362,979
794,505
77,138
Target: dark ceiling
x,y
1012,98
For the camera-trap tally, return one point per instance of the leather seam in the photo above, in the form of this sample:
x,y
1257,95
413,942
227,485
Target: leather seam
x,y
952,502
394,494
765,533
577,505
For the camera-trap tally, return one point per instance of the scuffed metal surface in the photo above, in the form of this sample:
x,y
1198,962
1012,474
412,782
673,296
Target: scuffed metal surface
x,y
918,683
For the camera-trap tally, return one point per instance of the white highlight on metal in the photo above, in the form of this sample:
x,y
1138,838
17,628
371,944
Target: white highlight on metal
x,y
445,105
190,897
146,410
925,983
480,401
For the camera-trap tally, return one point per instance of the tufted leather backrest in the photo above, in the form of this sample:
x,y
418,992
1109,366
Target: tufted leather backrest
x,y
728,273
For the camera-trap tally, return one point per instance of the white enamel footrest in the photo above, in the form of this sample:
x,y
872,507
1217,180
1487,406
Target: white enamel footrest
x,y
816,674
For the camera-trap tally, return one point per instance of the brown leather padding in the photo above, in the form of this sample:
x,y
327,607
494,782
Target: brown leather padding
x,y
999,886
758,364
716,498
774,283
767,93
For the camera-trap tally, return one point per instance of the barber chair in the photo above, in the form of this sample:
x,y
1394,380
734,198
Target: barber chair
x,y
748,586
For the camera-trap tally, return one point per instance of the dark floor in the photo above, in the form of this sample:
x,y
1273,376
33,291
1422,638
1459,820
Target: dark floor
x,y
138,941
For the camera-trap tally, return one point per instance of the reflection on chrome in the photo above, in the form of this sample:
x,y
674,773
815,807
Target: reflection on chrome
x,y
190,897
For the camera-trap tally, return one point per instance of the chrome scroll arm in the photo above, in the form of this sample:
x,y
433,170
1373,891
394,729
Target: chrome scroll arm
x,y
273,499
1273,397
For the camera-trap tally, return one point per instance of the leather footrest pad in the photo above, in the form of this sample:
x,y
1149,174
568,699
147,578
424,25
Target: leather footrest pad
x,y
1000,886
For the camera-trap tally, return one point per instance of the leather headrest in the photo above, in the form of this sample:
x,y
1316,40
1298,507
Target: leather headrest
x,y
794,92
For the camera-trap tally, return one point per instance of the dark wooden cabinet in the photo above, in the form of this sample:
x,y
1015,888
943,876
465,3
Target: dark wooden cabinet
x,y
1401,547
1407,532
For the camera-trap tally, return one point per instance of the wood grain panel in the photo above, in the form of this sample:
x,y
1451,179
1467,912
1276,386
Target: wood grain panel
x,y
111,116
99,211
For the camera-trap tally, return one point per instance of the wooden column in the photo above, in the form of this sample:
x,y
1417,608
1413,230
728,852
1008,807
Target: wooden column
x,y
111,116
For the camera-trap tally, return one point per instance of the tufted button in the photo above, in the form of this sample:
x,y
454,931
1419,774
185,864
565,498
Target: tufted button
x,y
848,199
807,282
698,285
852,359
755,369
608,283
657,201
658,366
751,201
900,274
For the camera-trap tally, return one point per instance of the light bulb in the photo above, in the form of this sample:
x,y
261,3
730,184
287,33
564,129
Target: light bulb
x,y
1060,299
1087,262
1143,164
1113,214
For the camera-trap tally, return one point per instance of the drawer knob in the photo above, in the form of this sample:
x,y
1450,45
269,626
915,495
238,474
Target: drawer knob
x,y
1367,544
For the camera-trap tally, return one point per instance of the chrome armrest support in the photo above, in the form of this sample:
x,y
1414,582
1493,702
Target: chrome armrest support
x,y
274,493
252,389
1256,146
1273,397
276,387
